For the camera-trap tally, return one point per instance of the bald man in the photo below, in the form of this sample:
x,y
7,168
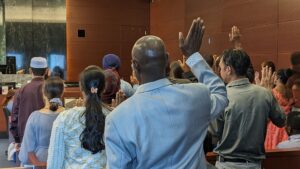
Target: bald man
x,y
163,125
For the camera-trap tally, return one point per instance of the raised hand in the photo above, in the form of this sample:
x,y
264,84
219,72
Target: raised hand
x,y
267,77
193,40
120,97
234,34
183,64
257,78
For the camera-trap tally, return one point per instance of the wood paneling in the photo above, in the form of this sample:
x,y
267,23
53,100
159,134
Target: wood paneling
x,y
166,21
289,36
270,28
104,22
289,10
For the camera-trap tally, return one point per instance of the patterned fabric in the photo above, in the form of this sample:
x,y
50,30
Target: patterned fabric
x,y
65,149
276,135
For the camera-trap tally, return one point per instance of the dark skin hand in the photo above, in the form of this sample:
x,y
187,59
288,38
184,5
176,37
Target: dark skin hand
x,y
192,43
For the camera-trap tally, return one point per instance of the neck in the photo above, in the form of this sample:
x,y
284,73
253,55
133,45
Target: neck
x,y
35,77
148,79
235,77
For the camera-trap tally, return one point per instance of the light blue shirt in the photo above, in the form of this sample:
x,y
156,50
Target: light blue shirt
x,y
126,88
163,125
292,142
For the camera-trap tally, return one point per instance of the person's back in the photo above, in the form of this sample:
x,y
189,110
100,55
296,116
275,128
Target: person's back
x,y
37,133
163,125
37,136
29,98
77,134
245,120
71,124
242,127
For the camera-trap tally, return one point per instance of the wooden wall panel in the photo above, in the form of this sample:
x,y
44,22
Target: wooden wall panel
x,y
270,28
289,10
103,22
248,13
166,21
288,36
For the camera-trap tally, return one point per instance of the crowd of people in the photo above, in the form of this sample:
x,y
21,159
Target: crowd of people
x,y
168,117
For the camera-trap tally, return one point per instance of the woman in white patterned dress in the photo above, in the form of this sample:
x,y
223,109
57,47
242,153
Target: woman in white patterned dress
x,y
77,134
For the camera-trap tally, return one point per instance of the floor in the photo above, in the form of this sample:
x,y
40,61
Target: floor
x,y
3,156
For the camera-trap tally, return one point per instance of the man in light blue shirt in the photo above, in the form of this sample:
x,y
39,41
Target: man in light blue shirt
x,y
163,125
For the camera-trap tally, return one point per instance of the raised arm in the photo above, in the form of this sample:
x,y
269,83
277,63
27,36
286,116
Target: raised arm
x,y
190,47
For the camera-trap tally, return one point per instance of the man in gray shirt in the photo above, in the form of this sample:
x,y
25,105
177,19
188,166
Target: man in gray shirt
x,y
242,127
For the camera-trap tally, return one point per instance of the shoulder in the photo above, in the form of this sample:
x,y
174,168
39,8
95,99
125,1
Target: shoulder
x,y
70,115
33,116
123,111
125,82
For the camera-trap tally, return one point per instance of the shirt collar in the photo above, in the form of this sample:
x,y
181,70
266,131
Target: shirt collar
x,y
239,82
294,137
153,85
37,79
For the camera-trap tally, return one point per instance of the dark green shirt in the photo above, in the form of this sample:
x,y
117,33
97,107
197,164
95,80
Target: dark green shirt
x,y
242,127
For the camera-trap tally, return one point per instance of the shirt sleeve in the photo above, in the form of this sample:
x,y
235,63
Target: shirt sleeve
x,y
216,86
29,140
15,118
56,150
117,155
276,114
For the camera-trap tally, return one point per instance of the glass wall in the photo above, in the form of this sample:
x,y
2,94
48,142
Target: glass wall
x,y
35,28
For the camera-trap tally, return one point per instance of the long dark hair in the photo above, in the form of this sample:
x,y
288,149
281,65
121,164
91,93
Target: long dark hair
x,y
92,83
53,88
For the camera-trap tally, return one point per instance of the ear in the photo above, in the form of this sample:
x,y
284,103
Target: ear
x,y
136,69
47,72
229,70
167,59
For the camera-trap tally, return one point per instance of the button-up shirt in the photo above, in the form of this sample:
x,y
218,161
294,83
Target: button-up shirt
x,y
242,127
163,125
292,142
28,99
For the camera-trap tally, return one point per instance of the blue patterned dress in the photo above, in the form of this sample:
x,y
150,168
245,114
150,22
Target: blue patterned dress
x,y
65,149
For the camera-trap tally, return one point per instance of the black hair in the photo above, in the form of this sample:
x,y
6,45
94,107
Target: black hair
x,y
239,60
209,60
175,70
92,136
38,71
53,88
58,71
250,74
293,120
295,58
270,64
284,74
